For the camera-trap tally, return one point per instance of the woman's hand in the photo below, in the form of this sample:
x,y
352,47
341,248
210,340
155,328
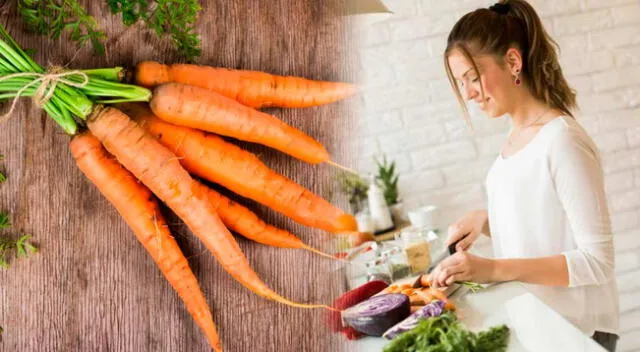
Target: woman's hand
x,y
463,266
472,224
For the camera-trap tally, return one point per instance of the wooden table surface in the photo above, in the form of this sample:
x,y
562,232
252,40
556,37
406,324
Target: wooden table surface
x,y
92,286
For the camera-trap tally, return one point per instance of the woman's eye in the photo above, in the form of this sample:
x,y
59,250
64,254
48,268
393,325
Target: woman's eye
x,y
475,79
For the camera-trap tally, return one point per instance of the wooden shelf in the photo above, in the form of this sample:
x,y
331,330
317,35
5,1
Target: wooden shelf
x,y
389,235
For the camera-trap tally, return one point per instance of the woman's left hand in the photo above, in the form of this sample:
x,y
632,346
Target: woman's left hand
x,y
463,266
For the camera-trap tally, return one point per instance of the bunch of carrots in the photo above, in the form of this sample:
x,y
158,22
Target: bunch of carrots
x,y
134,152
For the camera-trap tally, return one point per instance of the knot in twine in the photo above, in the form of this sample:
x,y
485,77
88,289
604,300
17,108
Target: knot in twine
x,y
48,82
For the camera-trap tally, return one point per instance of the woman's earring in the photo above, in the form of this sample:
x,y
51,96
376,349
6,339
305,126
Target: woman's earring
x,y
517,80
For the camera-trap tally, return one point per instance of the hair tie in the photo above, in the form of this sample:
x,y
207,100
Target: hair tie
x,y
500,8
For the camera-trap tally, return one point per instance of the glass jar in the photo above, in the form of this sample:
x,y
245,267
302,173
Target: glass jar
x,y
417,250
397,261
378,269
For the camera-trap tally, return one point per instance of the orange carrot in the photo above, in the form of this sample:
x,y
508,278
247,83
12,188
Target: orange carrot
x,y
245,222
157,168
212,158
251,88
209,111
140,210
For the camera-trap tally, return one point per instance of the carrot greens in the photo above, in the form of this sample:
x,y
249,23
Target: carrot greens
x,y
173,18
62,93
53,17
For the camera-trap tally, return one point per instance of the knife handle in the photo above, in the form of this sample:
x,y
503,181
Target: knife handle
x,y
452,247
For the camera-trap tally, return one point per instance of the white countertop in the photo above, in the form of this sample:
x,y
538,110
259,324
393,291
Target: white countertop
x,y
534,326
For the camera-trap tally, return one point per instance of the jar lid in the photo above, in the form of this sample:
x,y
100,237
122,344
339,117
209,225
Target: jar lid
x,y
391,251
375,262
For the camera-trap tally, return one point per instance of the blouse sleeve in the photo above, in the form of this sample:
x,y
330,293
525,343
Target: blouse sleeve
x,y
577,174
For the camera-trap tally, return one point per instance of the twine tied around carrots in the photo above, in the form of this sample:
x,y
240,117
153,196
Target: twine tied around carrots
x,y
48,82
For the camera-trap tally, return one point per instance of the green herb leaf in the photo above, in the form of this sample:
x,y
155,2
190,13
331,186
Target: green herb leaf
x,y
22,247
175,18
5,221
494,340
131,10
389,179
445,333
473,286
53,17
355,188
2,176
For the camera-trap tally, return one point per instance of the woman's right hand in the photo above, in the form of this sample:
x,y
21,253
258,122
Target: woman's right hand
x,y
472,224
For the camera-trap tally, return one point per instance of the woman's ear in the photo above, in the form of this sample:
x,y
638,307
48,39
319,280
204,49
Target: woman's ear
x,y
513,59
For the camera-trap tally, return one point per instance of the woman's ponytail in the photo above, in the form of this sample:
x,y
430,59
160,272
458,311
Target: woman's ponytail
x,y
541,65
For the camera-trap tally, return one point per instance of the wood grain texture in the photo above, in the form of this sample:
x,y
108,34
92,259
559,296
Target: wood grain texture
x,y
92,287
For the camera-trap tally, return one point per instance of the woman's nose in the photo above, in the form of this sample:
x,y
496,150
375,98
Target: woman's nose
x,y
470,92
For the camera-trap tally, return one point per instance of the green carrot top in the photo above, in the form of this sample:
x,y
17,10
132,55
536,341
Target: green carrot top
x,y
62,93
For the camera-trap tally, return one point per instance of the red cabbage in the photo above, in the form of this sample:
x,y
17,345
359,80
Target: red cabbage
x,y
377,314
432,309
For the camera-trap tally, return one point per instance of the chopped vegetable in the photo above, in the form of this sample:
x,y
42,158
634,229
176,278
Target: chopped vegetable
x,y
473,286
377,314
351,298
445,333
432,309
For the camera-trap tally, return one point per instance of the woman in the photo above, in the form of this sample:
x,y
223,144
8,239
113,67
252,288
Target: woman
x,y
547,214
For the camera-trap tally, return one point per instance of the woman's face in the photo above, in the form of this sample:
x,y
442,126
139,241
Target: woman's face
x,y
497,82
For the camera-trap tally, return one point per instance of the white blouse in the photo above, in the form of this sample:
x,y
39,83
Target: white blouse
x,y
549,199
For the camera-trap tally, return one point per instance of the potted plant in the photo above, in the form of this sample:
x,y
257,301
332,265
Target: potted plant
x,y
355,188
389,180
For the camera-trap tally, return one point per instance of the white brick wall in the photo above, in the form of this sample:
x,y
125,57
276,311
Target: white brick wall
x,y
411,114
